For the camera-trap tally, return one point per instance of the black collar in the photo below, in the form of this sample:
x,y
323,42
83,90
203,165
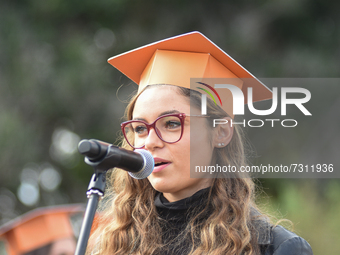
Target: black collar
x,y
198,198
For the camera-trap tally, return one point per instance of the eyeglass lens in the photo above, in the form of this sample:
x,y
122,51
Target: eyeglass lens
x,y
168,129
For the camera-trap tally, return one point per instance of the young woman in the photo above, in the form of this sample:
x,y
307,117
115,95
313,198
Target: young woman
x,y
170,212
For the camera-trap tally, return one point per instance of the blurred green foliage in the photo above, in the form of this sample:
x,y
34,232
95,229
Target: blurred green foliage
x,y
55,85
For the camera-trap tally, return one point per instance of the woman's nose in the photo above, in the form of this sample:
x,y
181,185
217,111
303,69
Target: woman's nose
x,y
153,141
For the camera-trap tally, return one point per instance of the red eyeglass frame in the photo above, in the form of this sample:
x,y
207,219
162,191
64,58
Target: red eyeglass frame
x,y
181,116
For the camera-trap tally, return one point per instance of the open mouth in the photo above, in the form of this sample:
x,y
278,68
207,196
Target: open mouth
x,y
161,163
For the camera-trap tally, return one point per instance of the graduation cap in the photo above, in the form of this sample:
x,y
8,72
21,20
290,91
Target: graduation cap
x,y
40,229
174,61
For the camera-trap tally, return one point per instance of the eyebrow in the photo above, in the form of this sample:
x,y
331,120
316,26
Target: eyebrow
x,y
161,114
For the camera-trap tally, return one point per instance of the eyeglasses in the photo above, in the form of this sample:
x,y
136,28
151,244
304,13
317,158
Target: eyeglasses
x,y
169,128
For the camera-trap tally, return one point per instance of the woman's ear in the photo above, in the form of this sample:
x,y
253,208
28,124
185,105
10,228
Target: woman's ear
x,y
223,133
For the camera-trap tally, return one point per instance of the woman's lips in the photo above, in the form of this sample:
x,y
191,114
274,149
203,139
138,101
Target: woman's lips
x,y
160,167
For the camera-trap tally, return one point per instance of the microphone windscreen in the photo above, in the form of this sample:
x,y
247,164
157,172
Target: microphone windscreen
x,y
149,164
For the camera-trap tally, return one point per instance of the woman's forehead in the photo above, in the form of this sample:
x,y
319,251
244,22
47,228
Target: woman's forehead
x,y
157,94
157,99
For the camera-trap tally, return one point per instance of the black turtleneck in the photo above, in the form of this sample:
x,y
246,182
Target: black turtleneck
x,y
175,217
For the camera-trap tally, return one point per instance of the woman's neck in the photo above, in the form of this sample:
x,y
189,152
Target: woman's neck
x,y
188,192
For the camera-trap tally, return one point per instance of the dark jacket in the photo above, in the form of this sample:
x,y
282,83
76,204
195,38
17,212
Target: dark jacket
x,y
276,240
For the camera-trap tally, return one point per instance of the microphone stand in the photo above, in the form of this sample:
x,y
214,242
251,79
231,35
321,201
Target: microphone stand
x,y
95,192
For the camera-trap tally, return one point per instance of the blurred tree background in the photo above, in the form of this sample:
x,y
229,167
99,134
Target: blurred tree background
x,y
57,88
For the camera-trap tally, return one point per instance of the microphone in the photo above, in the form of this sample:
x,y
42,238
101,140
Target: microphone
x,y
103,156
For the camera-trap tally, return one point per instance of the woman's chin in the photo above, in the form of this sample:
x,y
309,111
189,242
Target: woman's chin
x,y
162,186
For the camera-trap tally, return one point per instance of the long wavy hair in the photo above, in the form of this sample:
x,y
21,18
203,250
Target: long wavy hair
x,y
130,223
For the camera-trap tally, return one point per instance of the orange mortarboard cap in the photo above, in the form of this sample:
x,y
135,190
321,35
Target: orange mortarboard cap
x,y
174,61
39,228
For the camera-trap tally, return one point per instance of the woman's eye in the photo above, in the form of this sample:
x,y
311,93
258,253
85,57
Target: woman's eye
x,y
140,130
172,124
